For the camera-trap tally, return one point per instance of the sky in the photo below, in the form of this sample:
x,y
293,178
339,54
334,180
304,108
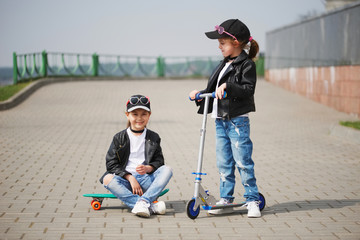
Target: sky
x,y
135,27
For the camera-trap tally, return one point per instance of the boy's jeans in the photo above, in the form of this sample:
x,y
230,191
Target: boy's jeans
x,y
234,148
151,184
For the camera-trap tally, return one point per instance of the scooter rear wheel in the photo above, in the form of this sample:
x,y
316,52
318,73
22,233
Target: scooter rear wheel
x,y
262,202
190,209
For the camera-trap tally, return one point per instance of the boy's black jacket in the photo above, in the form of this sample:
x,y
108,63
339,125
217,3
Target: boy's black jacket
x,y
119,151
240,78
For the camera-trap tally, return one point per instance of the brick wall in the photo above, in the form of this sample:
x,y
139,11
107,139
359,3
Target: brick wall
x,y
336,86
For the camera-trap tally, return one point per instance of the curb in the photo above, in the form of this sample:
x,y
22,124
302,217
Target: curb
x,y
31,88
345,133
22,95
27,91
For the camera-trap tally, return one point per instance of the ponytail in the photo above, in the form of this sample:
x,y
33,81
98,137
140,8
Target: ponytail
x,y
254,49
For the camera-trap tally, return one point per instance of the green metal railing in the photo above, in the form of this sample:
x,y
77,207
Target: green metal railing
x,y
48,64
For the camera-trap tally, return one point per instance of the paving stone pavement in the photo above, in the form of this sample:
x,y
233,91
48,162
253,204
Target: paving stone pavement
x,y
53,145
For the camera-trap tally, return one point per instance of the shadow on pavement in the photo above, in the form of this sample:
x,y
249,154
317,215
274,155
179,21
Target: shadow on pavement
x,y
310,205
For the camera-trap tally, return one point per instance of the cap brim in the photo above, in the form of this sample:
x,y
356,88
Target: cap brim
x,y
213,35
137,107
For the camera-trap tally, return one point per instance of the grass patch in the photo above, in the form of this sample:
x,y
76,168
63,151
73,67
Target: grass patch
x,y
355,124
7,92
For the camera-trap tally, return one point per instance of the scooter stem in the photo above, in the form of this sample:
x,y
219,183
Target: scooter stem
x,y
202,143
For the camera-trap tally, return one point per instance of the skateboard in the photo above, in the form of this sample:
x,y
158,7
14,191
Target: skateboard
x,y
97,198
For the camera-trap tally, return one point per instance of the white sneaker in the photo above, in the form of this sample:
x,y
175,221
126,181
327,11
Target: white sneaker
x,y
158,208
253,209
141,209
218,211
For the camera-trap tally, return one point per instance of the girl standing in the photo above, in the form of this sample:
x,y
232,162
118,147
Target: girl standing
x,y
237,75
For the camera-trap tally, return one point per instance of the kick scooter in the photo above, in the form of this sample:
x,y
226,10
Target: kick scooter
x,y
202,197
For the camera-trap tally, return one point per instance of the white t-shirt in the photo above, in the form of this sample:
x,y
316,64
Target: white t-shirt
x,y
215,103
137,151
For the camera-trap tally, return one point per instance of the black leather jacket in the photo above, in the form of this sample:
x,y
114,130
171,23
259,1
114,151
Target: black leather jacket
x,y
118,154
240,78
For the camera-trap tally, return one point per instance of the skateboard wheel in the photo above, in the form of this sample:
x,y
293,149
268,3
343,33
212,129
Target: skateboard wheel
x,y
96,205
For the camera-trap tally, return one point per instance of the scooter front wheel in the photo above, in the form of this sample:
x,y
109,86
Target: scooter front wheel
x,y
190,209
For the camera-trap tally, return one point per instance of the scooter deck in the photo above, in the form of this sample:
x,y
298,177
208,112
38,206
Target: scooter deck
x,y
221,206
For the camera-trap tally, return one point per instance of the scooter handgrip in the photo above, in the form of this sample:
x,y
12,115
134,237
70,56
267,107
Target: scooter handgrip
x,y
224,96
197,96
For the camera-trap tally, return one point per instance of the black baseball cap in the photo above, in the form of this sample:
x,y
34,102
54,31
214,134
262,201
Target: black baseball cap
x,y
234,27
138,101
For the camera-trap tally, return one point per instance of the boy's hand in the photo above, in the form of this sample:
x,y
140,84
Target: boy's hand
x,y
220,91
192,95
135,186
143,169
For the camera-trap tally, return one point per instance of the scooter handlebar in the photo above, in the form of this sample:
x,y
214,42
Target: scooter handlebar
x,y
199,96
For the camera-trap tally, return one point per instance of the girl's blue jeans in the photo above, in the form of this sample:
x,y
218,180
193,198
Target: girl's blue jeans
x,y
151,184
234,149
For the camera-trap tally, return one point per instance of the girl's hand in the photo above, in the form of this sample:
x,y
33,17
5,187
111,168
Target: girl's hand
x,y
220,91
193,93
135,186
143,169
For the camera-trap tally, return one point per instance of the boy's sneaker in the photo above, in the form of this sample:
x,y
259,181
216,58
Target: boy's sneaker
x,y
158,208
253,209
222,201
141,209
